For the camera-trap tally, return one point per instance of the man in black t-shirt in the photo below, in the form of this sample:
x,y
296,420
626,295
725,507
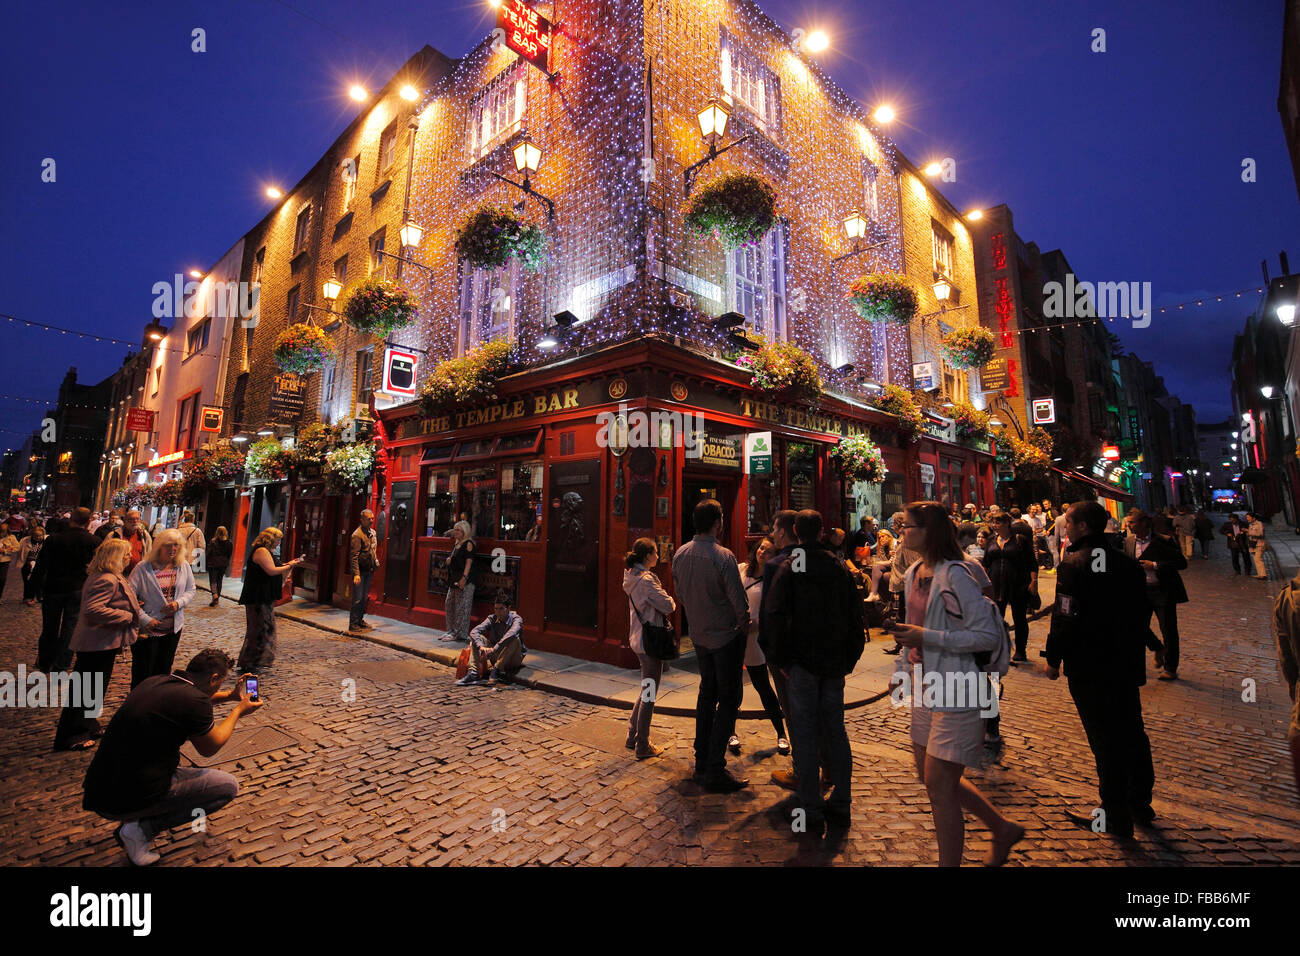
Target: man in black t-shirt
x,y
135,776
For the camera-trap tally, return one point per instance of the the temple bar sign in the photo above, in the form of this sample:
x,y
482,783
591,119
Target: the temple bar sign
x,y
526,31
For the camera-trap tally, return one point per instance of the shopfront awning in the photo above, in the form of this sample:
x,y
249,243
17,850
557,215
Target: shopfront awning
x,y
1105,489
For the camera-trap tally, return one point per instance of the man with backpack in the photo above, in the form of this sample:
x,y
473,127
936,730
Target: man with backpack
x,y
813,620
1098,631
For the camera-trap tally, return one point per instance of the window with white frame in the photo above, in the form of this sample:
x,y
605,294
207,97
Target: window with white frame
x,y
487,305
497,111
756,284
196,340
870,190
942,240
747,82
327,386
377,252
387,148
351,170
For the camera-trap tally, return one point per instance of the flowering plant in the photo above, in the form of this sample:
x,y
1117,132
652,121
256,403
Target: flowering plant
x,y
302,348
972,424
738,209
267,459
898,401
379,307
491,235
783,367
201,475
348,467
469,379
884,297
859,459
313,442
163,494
968,347
1031,460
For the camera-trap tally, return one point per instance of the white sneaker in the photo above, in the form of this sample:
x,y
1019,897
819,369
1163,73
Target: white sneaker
x,y
131,837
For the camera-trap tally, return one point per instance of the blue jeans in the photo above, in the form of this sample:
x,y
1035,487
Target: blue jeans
x,y
718,703
192,788
817,727
360,592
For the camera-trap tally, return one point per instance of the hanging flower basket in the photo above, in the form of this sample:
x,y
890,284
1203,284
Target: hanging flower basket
x,y
267,459
379,307
302,348
314,442
1030,461
897,401
492,235
884,297
737,209
971,346
972,424
348,468
131,496
783,368
201,475
859,459
473,378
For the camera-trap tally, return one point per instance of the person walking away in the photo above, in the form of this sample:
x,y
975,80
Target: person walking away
x,y
132,532
462,577
164,585
218,560
59,574
647,601
108,621
950,624
707,581
263,586
136,777
751,577
1161,560
1235,532
29,550
9,548
1204,533
1059,539
817,637
363,556
1185,524
1286,626
1014,573
191,538
1098,629
1257,544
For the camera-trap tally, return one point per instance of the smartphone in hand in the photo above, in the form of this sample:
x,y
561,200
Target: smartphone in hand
x,y
252,688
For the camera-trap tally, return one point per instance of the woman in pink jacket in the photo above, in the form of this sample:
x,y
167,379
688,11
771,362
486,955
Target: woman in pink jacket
x,y
109,621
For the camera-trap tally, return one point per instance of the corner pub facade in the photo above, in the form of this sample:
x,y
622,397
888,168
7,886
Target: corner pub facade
x,y
555,496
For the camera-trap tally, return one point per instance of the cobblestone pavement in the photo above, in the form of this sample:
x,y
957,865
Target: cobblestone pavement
x,y
419,771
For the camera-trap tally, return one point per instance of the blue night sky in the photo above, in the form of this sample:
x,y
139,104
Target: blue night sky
x,y
1129,161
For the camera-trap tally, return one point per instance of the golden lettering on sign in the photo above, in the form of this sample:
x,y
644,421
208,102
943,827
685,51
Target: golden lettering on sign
x,y
556,401
799,418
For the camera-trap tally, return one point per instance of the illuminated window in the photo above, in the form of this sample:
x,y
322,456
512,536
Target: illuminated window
x,y
748,83
377,252
497,111
388,148
756,284
942,241
488,305
350,172
300,230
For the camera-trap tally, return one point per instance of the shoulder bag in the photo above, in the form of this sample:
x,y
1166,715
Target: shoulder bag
x,y
658,640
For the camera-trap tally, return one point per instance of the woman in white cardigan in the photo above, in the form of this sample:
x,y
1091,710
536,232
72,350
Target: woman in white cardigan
x,y
164,584
647,600
948,735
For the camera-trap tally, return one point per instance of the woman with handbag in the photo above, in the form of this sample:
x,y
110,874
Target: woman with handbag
x,y
649,607
951,623
462,576
751,577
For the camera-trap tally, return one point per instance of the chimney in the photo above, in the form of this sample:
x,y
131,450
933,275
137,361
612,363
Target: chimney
x,y
1286,266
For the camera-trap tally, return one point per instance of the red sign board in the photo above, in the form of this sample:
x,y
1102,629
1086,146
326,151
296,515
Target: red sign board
x,y
211,421
1110,452
526,31
399,371
139,420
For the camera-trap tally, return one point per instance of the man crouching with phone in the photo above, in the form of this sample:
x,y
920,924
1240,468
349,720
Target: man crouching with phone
x,y
136,775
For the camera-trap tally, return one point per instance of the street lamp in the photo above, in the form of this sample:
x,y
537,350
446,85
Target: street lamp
x,y
942,290
155,331
1266,391
1286,313
855,226
713,124
884,113
528,155
331,289
411,233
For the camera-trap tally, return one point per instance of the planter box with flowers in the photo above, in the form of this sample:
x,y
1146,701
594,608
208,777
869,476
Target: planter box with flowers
x,y
898,401
267,460
492,235
379,307
971,346
972,424
462,381
736,209
782,369
201,475
884,297
859,459
302,348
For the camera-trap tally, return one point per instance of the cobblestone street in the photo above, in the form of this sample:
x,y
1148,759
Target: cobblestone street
x,y
419,771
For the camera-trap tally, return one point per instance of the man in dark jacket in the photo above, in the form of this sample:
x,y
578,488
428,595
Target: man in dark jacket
x,y
813,622
1161,558
61,571
1098,626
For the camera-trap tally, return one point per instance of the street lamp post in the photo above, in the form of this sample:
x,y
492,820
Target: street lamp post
x,y
528,156
713,125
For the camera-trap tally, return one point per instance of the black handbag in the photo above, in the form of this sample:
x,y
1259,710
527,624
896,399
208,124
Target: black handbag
x,y
658,640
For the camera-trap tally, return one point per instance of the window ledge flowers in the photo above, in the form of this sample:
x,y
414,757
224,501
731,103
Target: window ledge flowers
x,y
302,348
884,297
898,401
972,424
738,209
783,368
473,378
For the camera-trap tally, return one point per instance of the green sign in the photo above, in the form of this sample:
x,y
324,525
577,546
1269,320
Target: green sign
x,y
758,452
